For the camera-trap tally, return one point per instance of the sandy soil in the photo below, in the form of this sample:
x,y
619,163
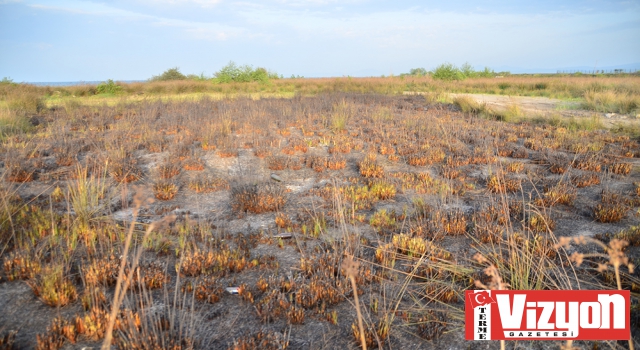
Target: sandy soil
x,y
547,107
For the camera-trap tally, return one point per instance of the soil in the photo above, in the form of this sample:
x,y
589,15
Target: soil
x,y
547,107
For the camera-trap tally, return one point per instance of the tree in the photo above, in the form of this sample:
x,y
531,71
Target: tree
x,y
418,72
243,74
447,71
169,74
467,70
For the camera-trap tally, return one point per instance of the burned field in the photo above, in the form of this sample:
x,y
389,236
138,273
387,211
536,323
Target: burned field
x,y
239,223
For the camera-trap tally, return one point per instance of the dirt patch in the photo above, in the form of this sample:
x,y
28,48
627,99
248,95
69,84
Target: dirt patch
x,y
548,107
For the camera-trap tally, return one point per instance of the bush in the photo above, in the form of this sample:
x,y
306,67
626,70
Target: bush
x,y
487,73
108,87
243,74
467,70
169,74
200,77
418,72
447,71
7,81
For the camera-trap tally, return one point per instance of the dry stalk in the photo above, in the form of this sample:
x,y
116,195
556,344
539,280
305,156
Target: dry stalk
x,y
495,284
614,251
350,267
123,281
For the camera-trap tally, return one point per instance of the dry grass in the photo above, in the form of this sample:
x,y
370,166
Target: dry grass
x,y
401,187
257,198
611,101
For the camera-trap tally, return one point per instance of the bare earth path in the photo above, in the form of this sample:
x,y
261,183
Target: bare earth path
x,y
528,104
547,107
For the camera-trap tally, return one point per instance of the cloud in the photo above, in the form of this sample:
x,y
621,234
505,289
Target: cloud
x,y
200,3
397,28
204,31
88,8
306,3
195,29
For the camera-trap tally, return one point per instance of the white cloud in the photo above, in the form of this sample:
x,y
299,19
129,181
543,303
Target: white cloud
x,y
202,30
194,29
201,3
304,3
88,8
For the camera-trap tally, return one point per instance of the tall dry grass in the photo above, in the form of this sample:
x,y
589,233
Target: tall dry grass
x,y
618,94
612,101
549,86
17,103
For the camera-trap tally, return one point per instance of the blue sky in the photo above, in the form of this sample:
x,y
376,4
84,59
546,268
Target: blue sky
x,y
74,40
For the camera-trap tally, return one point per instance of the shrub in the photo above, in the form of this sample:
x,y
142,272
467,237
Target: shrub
x,y
277,162
20,172
467,70
609,212
169,74
205,184
53,287
432,325
168,170
369,167
501,184
540,222
193,164
108,87
447,71
257,198
165,190
621,168
381,189
336,162
418,72
486,73
243,74
124,171
7,81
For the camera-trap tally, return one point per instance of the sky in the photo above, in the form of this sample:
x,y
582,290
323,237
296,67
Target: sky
x,y
78,40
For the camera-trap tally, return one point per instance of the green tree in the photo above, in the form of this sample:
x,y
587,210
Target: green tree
x,y
243,74
169,74
486,73
447,71
418,72
467,70
7,81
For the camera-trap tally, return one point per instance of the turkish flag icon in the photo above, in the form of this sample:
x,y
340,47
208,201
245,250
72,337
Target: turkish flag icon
x,y
480,298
